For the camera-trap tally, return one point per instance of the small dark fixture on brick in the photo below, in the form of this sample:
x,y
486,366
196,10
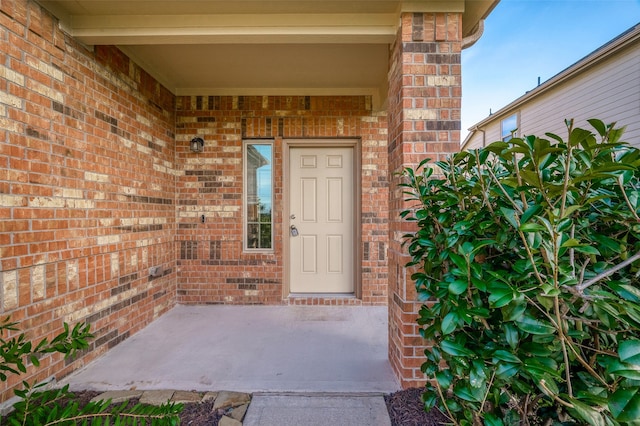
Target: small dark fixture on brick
x,y
197,144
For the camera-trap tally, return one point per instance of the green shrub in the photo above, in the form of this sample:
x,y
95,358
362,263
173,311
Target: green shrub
x,y
526,256
38,406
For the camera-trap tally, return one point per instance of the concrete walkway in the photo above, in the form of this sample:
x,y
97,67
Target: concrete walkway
x,y
294,359
317,410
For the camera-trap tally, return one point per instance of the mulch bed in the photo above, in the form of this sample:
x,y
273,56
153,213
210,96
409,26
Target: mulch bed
x,y
194,414
405,409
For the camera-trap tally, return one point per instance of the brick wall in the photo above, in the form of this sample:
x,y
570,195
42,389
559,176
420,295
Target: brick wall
x,y
87,185
424,122
97,184
212,267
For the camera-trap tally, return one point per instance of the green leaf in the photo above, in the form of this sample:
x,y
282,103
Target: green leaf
x,y
598,125
625,177
500,295
449,323
578,136
531,227
455,349
458,287
551,387
492,420
506,356
535,349
555,137
506,370
564,224
629,351
624,404
570,210
571,242
587,413
587,249
500,299
623,369
458,260
513,311
465,393
607,242
530,177
534,326
478,377
634,314
444,379
430,399
35,361
510,215
466,248
530,212
511,335
627,292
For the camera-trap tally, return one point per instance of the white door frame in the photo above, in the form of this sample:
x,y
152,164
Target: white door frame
x,y
357,206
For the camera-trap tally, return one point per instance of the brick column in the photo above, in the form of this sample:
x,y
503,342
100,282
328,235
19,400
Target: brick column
x,y
424,122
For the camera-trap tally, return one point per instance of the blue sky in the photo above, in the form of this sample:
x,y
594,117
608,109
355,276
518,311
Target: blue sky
x,y
527,39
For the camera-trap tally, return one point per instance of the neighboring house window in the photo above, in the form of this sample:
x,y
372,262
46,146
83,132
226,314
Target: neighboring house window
x,y
258,190
509,127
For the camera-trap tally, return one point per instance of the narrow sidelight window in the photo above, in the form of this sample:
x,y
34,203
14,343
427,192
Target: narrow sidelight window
x,y
258,195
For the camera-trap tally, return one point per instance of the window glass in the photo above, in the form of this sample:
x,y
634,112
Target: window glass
x,y
258,180
509,127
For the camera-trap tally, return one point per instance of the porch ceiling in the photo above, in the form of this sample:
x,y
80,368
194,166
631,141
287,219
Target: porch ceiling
x,y
255,47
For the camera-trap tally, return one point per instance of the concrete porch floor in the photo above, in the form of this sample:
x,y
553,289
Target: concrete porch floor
x,y
251,349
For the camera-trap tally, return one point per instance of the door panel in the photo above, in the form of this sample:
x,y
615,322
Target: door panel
x,y
322,210
309,254
334,200
309,202
334,254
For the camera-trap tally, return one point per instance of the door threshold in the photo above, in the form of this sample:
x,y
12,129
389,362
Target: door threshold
x,y
328,299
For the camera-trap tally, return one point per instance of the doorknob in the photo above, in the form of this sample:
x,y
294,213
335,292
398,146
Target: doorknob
x,y
294,231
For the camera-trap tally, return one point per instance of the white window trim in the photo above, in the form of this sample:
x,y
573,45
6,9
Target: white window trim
x,y
245,193
512,132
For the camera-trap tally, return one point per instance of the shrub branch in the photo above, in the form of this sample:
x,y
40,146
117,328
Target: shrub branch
x,y
580,288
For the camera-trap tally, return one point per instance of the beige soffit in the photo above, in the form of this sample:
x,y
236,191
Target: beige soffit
x,y
261,47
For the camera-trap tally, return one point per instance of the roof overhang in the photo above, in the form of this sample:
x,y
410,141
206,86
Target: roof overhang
x,y
261,47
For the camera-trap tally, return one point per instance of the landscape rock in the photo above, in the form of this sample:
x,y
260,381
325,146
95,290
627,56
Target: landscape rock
x,y
227,399
117,397
228,421
209,396
156,397
238,413
184,397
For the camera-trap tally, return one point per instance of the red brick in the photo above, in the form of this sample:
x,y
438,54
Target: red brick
x,y
112,192
411,143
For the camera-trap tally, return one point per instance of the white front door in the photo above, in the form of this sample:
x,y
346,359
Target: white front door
x,y
322,200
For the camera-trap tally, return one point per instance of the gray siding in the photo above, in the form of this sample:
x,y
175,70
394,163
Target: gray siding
x,y
609,91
